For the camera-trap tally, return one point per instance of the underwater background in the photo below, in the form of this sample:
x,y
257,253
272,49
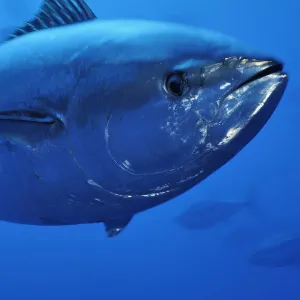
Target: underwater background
x,y
155,257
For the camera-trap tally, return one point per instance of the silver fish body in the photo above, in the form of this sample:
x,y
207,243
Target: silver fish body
x,y
100,120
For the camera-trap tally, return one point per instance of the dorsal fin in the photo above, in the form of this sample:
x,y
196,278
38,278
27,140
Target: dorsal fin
x,y
55,13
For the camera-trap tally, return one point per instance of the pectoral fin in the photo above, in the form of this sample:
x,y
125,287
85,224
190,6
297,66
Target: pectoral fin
x,y
114,226
28,127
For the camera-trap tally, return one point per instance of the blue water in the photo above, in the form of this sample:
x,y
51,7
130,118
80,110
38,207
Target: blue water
x,y
154,258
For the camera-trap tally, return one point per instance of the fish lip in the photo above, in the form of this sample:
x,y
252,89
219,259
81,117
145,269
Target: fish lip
x,y
274,68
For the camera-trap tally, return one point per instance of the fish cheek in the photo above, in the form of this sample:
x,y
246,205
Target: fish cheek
x,y
158,137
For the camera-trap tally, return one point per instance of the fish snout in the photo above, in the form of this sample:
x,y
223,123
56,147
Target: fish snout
x,y
249,103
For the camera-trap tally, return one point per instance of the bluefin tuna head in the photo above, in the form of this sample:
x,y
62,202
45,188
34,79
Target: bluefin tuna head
x,y
148,109
180,103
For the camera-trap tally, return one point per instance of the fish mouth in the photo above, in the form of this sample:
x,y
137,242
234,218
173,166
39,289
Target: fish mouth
x,y
246,109
273,68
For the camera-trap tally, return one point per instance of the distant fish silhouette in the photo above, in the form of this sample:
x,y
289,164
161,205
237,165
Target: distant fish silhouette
x,y
280,251
205,215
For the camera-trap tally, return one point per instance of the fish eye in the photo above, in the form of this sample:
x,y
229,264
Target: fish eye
x,y
176,84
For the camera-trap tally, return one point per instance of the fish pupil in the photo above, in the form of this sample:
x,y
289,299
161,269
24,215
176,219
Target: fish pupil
x,y
175,84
